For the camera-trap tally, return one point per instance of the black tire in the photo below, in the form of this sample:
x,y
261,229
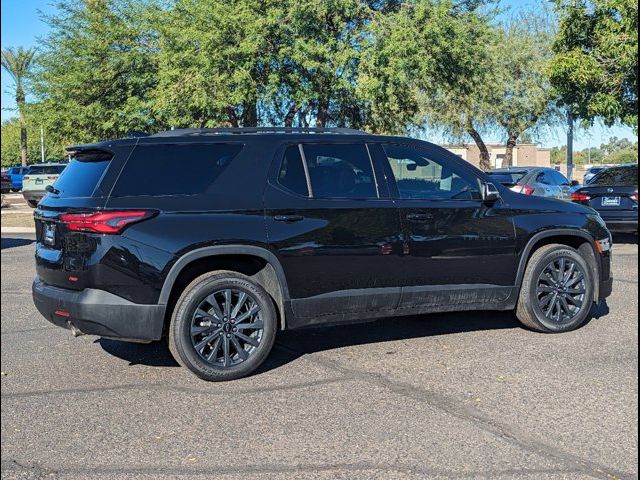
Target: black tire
x,y
16,190
535,291
32,203
184,318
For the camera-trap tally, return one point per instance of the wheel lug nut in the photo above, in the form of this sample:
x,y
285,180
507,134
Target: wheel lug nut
x,y
235,329
228,335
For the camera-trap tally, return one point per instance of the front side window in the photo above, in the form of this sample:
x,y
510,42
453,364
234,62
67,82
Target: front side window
x,y
340,171
420,177
559,179
154,170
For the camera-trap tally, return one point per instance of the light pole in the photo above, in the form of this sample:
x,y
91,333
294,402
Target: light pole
x,y
570,144
42,143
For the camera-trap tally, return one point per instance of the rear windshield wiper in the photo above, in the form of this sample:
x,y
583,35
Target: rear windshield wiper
x,y
52,189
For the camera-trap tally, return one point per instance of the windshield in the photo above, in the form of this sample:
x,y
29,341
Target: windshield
x,y
617,176
46,169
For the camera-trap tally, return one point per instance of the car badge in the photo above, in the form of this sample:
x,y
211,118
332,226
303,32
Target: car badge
x,y
610,190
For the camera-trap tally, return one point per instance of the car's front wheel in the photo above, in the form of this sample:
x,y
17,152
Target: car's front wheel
x,y
557,290
223,326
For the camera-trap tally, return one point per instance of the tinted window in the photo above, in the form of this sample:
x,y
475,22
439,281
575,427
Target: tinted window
x,y
507,178
46,169
174,169
420,177
340,171
558,178
292,174
617,176
80,178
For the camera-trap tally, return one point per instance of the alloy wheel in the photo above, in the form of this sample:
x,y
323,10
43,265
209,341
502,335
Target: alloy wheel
x,y
561,290
227,327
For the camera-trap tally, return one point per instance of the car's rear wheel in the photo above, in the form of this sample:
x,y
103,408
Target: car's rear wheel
x,y
223,326
557,290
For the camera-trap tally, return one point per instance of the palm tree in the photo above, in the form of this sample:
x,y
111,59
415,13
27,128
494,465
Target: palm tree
x,y
17,62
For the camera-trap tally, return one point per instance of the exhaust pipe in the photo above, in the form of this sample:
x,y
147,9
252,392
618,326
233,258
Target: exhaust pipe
x,y
74,331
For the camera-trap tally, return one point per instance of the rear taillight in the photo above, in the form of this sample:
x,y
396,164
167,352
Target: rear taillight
x,y
580,197
109,222
522,188
634,197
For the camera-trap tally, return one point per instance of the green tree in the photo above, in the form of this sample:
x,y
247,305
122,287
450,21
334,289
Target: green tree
x,y
96,70
431,62
524,90
18,63
11,144
595,67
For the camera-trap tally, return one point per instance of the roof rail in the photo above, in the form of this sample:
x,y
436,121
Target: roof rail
x,y
185,132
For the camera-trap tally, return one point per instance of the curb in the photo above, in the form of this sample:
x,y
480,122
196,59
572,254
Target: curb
x,y
4,230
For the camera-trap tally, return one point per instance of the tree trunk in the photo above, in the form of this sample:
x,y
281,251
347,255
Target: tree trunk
x,y
290,116
485,157
512,140
323,114
250,114
23,141
233,117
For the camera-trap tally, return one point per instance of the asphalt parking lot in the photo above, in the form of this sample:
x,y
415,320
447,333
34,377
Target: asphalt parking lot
x,y
468,395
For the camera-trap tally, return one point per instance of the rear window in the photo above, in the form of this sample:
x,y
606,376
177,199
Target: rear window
x,y
154,170
616,176
507,178
81,177
46,169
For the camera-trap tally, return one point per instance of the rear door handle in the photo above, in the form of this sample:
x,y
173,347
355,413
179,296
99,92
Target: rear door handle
x,y
288,218
419,217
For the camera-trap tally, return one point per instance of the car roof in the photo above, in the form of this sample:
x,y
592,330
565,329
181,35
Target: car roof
x,y
517,169
51,164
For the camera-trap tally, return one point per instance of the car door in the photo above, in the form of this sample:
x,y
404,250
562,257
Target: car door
x,y
563,183
335,230
458,250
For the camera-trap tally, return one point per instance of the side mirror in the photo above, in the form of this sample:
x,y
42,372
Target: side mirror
x,y
490,193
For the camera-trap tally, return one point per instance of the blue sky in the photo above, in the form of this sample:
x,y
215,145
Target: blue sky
x,y
21,26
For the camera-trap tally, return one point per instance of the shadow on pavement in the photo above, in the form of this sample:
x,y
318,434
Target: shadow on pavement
x,y
11,242
293,344
155,354
630,238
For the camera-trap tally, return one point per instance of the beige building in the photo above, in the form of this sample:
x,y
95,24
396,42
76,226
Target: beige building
x,y
524,154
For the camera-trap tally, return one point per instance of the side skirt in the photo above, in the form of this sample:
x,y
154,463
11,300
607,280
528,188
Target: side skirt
x,y
320,310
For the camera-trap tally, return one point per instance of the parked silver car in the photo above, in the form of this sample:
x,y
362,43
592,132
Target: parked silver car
x,y
540,181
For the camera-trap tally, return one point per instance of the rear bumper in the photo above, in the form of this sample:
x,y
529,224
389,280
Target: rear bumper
x,y
624,221
96,312
33,195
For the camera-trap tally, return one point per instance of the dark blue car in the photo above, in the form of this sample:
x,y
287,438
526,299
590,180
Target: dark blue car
x,y
16,174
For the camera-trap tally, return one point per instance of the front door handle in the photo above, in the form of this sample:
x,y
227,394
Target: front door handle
x,y
288,218
419,217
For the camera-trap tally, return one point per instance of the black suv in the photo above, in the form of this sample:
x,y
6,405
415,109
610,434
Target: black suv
x,y
216,239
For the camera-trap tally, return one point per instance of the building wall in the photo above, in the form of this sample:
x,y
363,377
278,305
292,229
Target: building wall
x,y
524,155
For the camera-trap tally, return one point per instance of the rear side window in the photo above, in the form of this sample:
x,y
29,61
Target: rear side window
x,y
616,176
81,177
340,171
291,175
155,170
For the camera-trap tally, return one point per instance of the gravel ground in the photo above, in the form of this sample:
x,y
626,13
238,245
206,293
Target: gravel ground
x,y
467,395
